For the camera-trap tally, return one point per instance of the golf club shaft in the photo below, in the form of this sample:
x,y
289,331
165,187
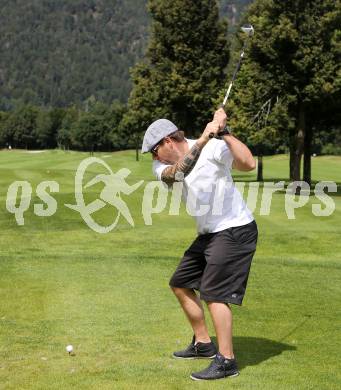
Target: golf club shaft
x,y
232,80
234,74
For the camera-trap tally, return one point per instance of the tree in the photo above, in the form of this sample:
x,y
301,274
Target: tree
x,y
20,127
86,132
97,127
65,133
43,130
183,68
119,133
3,128
261,138
295,54
56,115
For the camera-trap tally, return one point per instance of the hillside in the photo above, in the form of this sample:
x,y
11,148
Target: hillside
x,y
60,53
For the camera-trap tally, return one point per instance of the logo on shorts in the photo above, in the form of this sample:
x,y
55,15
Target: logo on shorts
x,y
234,295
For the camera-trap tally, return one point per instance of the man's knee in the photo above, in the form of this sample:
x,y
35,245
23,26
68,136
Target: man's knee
x,y
176,290
180,291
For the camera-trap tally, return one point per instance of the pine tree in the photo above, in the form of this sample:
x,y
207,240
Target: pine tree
x,y
183,67
295,54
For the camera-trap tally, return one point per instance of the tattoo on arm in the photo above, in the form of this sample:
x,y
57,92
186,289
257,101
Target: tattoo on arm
x,y
184,165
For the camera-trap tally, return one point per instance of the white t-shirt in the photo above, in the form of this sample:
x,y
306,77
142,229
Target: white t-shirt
x,y
209,192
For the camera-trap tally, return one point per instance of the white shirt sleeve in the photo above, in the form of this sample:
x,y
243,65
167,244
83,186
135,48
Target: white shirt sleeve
x,y
222,154
158,168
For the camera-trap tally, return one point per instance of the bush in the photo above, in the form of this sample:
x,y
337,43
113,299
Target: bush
x,y
331,149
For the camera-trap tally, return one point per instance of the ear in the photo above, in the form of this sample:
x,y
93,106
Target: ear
x,y
169,141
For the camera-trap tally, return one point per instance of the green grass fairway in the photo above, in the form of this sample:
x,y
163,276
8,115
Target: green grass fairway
x,y
108,295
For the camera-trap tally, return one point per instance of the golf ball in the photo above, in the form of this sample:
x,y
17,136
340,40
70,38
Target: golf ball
x,y
69,348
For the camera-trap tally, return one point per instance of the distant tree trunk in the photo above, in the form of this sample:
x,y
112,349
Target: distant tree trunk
x,y
137,148
307,155
297,146
260,168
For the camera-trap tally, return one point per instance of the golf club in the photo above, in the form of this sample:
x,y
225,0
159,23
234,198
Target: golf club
x,y
249,31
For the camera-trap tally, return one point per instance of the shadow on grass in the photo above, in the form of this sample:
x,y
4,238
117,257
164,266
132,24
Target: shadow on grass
x,y
251,351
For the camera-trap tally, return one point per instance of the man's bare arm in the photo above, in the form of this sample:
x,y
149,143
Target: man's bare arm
x,y
242,156
185,165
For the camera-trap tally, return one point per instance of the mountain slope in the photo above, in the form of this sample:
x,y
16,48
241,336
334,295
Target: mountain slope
x,y
60,53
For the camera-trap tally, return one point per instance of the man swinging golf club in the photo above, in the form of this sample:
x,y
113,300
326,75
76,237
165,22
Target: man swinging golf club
x,y
217,264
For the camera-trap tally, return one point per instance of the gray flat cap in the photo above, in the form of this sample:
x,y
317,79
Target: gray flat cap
x,y
156,132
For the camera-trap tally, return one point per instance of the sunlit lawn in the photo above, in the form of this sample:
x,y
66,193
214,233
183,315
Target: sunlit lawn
x,y
107,294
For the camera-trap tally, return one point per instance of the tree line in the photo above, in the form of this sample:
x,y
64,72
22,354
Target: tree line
x,y
95,127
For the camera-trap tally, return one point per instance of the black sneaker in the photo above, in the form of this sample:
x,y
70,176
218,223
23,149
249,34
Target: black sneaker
x,y
197,351
221,367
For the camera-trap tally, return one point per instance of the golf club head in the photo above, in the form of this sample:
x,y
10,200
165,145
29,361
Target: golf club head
x,y
248,29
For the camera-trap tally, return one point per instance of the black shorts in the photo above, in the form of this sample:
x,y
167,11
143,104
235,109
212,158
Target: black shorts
x,y
218,264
